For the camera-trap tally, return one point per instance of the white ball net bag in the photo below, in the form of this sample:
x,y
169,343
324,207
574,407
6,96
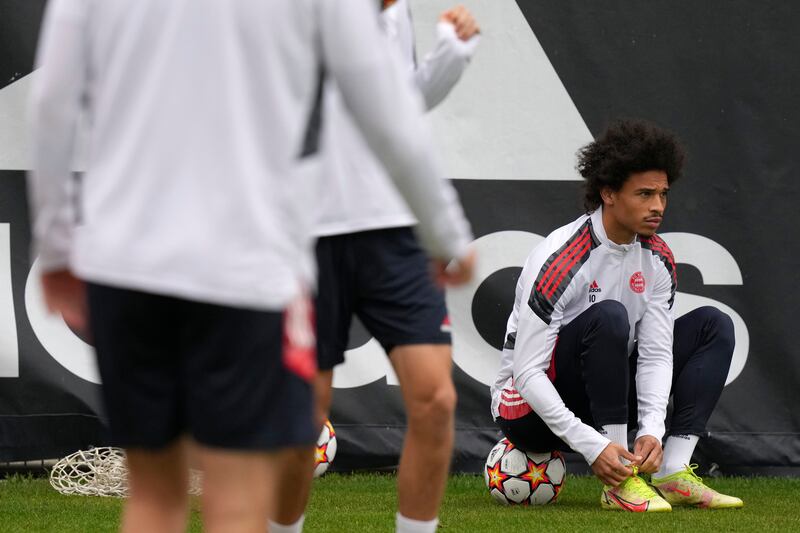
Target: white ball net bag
x,y
100,472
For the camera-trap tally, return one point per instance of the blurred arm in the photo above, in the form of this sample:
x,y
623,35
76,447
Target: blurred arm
x,y
440,70
56,104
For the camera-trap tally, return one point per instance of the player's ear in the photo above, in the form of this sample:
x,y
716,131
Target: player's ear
x,y
607,194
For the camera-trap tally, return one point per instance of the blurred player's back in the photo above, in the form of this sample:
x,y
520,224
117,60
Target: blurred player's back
x,y
201,114
191,99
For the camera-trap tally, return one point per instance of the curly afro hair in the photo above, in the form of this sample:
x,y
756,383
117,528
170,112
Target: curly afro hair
x,y
626,147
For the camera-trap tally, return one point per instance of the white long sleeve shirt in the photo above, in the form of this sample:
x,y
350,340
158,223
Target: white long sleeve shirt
x,y
202,167
575,267
358,194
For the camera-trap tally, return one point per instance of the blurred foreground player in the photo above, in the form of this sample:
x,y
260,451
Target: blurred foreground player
x,y
591,341
195,234
371,266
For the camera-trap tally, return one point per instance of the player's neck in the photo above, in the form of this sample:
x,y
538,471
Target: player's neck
x,y
616,233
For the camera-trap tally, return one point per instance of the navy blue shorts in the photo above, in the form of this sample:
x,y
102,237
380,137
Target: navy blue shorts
x,y
383,277
219,374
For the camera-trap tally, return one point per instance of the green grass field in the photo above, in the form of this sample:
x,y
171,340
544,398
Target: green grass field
x,y
366,502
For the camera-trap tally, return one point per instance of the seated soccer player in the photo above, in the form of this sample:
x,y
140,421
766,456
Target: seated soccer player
x,y
591,341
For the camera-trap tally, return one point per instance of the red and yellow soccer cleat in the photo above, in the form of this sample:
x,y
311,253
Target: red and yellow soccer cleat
x,y
633,495
687,488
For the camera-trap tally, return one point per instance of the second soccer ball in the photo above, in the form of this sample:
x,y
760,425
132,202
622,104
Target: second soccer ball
x,y
325,450
524,478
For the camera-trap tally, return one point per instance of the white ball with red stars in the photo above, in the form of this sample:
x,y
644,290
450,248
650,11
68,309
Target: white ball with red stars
x,y
325,450
515,477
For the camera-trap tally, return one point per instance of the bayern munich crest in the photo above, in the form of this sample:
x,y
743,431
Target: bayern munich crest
x,y
637,282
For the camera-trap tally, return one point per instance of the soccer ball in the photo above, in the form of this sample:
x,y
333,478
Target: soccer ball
x,y
325,450
525,478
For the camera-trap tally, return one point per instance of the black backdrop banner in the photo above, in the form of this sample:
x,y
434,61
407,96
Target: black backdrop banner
x,y
722,74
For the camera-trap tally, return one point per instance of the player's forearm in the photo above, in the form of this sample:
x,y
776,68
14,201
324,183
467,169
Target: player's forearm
x,y
441,69
51,217
55,107
49,183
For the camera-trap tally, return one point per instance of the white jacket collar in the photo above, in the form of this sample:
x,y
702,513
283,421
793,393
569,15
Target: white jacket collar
x,y
600,232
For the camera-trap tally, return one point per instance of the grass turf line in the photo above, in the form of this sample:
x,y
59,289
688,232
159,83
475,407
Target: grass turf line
x,y
367,502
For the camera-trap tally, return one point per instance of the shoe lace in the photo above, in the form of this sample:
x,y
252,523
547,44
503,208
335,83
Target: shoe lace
x,y
690,471
637,485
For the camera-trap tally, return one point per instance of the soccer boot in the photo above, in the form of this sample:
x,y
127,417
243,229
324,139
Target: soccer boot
x,y
687,488
633,495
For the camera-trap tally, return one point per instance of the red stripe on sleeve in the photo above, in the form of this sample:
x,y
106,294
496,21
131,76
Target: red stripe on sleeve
x,y
586,249
555,263
568,262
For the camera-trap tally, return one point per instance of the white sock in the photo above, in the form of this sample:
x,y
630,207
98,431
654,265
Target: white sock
x,y
409,525
297,527
618,434
677,454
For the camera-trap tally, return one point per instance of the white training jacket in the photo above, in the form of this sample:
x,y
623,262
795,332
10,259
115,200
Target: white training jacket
x,y
202,162
576,266
358,195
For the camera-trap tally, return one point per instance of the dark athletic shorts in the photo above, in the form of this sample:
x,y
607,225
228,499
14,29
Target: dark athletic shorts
x,y
172,367
383,277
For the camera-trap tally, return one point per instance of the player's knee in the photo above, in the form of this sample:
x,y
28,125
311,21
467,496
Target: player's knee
x,y
723,329
436,408
717,325
442,404
611,317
